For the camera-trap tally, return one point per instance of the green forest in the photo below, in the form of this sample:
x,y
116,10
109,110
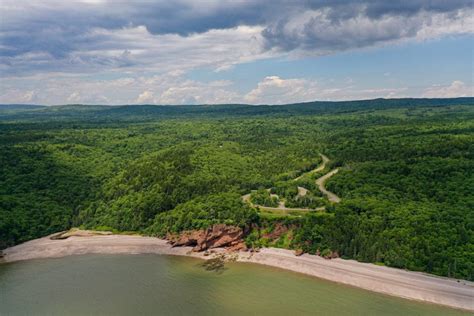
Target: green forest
x,y
406,175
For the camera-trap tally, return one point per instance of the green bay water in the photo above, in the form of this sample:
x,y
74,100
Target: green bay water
x,y
167,285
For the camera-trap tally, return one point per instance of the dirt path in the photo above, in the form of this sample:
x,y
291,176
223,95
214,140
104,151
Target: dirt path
x,y
302,191
318,169
280,207
320,182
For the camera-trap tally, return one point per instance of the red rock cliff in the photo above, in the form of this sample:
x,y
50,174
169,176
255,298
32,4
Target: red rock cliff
x,y
219,235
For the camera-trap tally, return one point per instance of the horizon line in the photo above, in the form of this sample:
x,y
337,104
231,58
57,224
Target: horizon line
x,y
234,104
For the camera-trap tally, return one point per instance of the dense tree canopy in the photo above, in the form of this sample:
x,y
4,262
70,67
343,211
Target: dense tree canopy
x,y
406,173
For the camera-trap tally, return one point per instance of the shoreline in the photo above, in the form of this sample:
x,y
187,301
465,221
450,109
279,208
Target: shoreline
x,y
391,281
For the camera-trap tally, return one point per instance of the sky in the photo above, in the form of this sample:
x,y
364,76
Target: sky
x,y
220,51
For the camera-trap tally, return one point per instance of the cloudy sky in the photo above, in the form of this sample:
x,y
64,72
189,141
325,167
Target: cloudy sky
x,y
222,51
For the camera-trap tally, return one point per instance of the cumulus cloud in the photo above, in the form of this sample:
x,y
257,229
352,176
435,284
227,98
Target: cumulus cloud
x,y
324,31
275,90
17,95
455,89
135,48
115,52
74,97
66,36
145,97
192,92
170,88
175,89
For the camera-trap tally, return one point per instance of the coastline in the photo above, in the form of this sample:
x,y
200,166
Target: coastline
x,y
391,281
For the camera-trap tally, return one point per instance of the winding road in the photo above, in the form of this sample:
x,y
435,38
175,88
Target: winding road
x,y
318,169
280,207
320,182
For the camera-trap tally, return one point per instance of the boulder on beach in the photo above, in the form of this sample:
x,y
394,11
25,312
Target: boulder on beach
x,y
299,252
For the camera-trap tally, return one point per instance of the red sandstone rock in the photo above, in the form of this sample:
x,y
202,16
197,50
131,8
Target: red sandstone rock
x,y
219,235
187,238
239,246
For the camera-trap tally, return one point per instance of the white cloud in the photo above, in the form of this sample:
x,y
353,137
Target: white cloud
x,y
169,88
153,36
437,25
455,89
134,49
145,97
182,91
74,97
142,50
321,32
15,95
29,96
174,88
275,90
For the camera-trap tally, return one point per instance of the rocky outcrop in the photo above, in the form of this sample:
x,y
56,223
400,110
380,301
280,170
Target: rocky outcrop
x,y
238,246
219,235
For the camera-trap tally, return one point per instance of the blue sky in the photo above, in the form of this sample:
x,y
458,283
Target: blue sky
x,y
272,52
413,64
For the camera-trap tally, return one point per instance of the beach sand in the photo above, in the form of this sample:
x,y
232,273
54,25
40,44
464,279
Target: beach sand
x,y
391,281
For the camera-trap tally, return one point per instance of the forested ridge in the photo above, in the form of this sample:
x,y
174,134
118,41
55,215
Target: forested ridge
x,y
406,173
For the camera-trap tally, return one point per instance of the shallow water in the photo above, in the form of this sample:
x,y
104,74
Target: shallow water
x,y
165,285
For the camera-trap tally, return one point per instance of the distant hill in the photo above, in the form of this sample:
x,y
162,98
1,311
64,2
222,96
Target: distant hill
x,y
79,112
20,107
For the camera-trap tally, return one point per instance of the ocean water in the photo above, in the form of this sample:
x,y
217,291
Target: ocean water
x,y
167,285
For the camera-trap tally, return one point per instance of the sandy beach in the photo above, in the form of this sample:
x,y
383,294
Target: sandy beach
x,y
396,282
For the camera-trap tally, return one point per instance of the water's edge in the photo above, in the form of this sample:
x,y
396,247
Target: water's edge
x,y
389,281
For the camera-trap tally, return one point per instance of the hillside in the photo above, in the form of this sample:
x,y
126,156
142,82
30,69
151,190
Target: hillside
x,y
406,169
134,113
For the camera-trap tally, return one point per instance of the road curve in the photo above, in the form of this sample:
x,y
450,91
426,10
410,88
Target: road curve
x,y
318,169
246,198
320,182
